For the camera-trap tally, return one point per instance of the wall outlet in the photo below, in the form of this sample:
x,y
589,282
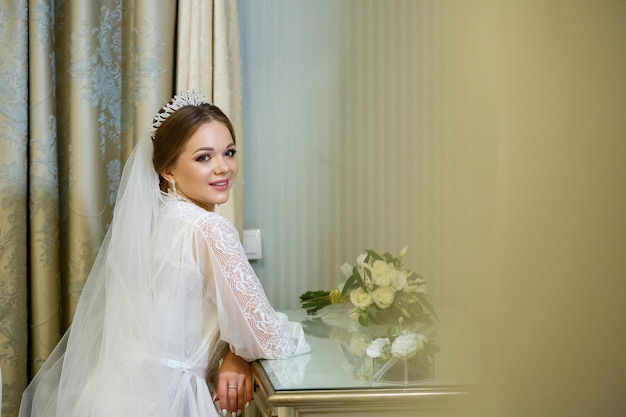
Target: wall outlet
x,y
252,243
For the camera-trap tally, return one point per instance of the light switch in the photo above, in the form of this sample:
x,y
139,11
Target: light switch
x,y
252,243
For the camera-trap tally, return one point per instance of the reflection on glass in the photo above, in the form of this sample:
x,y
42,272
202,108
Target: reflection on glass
x,y
400,354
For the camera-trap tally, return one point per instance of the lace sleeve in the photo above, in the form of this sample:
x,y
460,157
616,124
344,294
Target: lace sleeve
x,y
247,321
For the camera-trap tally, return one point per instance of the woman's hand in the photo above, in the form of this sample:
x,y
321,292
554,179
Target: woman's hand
x,y
234,384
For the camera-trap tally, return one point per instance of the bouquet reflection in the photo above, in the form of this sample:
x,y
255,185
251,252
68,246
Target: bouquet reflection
x,y
400,354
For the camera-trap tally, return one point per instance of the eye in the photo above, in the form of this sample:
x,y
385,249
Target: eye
x,y
203,158
230,152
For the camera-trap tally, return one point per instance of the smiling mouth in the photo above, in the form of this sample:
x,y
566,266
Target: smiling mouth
x,y
220,183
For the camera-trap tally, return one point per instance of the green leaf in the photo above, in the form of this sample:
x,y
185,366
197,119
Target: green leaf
x,y
313,301
358,278
351,283
313,294
372,255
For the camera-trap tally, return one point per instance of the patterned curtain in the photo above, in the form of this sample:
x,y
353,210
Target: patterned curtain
x,y
79,84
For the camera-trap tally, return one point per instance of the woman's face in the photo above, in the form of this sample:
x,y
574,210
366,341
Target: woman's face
x,y
206,168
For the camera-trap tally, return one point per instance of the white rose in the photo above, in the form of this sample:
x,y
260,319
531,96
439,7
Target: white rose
x,y
381,274
360,298
375,349
382,281
380,267
383,296
407,344
399,280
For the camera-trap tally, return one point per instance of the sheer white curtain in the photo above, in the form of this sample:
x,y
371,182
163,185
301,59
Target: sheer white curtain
x,y
209,60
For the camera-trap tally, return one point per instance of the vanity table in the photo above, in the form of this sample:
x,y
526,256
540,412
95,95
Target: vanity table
x,y
336,379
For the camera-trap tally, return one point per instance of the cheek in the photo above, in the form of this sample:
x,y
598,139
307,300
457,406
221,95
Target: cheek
x,y
234,166
192,176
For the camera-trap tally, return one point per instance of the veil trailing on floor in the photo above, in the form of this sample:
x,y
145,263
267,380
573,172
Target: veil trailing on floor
x,y
111,320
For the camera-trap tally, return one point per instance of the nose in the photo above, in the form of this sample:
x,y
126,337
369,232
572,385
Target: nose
x,y
221,165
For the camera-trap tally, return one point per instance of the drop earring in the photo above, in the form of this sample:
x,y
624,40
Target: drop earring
x,y
173,183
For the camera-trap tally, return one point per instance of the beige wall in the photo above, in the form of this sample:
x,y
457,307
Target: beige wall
x,y
490,137
559,278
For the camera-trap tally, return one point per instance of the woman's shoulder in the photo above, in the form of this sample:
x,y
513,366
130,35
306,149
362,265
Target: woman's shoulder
x,y
214,221
196,215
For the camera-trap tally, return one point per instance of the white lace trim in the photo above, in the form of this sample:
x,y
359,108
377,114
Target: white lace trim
x,y
268,328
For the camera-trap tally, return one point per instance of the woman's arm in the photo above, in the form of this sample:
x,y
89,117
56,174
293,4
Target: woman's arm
x,y
248,323
234,384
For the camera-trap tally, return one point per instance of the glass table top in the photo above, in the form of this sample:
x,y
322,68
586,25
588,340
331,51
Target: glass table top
x,y
338,359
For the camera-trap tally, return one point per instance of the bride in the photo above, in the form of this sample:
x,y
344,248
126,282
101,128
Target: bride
x,y
171,293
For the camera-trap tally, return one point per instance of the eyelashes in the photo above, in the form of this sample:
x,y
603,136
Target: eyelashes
x,y
206,157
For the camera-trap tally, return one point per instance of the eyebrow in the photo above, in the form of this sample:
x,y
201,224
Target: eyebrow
x,y
208,148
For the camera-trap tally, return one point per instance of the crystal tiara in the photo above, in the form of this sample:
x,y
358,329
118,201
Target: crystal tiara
x,y
188,98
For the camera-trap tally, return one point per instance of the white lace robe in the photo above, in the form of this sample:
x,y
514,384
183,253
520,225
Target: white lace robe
x,y
144,347
206,291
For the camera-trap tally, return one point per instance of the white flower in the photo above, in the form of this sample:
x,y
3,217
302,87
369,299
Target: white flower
x,y
360,298
414,288
346,269
383,296
375,349
383,280
359,344
380,267
360,260
354,315
407,344
399,281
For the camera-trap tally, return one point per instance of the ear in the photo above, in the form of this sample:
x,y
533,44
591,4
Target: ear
x,y
167,174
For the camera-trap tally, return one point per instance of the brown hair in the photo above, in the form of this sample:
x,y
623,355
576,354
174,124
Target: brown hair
x,y
172,135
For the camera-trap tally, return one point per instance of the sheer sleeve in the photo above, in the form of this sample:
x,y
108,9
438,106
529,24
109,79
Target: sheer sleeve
x,y
247,321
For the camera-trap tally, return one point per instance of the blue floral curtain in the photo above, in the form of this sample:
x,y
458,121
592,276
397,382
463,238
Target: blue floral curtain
x,y
79,83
